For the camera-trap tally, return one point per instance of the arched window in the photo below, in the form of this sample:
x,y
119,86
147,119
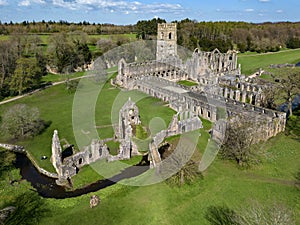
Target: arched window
x,y
208,114
170,36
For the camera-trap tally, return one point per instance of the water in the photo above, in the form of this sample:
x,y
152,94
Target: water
x,y
48,188
295,104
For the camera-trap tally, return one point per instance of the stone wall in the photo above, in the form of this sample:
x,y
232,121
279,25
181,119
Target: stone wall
x,y
21,149
181,123
67,167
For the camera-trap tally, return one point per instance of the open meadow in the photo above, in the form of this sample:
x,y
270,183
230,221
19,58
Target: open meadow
x,y
252,62
271,180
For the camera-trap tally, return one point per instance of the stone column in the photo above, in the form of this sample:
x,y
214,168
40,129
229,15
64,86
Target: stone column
x,y
226,93
244,94
214,115
205,113
237,95
242,87
231,94
251,97
257,99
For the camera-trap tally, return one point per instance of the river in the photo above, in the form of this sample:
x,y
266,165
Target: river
x,y
48,188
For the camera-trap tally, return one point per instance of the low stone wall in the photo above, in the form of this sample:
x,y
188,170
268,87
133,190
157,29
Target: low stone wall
x,y
41,170
21,149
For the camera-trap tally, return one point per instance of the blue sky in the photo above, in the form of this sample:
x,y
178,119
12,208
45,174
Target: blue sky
x,y
130,11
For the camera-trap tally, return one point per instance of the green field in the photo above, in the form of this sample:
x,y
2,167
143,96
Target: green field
x,y
187,83
45,37
223,184
55,106
271,180
251,63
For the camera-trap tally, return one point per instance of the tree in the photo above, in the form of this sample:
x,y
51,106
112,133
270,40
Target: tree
x,y
146,28
8,59
186,175
252,213
237,141
178,160
21,121
66,52
26,76
293,124
221,215
290,86
61,53
30,208
269,95
257,214
105,44
6,161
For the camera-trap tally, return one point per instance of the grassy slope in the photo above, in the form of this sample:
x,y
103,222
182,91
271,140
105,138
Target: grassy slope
x,y
55,105
251,63
160,204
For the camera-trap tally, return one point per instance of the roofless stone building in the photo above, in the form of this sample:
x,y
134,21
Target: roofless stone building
x,y
221,92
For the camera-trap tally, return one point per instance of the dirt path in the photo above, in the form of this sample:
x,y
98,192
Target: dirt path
x,y
270,179
40,89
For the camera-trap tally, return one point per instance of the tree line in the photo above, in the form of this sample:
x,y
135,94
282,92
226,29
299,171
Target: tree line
x,y
241,36
24,59
63,26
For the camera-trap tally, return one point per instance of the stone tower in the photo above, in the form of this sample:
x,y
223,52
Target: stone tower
x,y
166,41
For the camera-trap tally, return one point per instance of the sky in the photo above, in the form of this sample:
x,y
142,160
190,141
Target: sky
x,y
130,11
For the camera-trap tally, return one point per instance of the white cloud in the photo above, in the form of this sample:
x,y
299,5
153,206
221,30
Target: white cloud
x,y
24,3
29,2
3,2
123,6
279,11
265,0
249,10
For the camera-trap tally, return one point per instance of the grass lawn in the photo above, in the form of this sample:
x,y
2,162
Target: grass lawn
x,y
187,83
223,184
130,36
61,77
55,105
251,63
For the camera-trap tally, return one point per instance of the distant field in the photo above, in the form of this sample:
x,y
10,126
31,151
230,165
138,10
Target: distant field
x,y
45,37
4,37
251,63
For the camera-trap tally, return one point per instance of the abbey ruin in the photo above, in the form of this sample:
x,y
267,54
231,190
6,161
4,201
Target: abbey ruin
x,y
220,93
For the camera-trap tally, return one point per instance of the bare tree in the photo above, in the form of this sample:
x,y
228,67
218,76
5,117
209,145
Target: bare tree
x,y
239,136
270,93
179,160
290,86
258,214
